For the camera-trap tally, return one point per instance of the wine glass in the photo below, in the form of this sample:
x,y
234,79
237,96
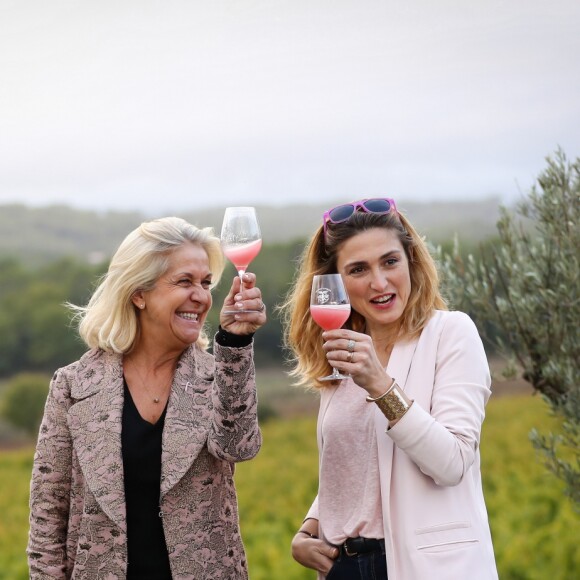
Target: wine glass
x,y
241,240
330,308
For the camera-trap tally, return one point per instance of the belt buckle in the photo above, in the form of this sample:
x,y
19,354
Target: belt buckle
x,y
349,554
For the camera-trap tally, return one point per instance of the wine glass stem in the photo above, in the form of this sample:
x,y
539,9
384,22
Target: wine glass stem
x,y
241,275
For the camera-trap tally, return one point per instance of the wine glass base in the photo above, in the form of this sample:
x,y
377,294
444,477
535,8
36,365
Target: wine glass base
x,y
240,311
333,377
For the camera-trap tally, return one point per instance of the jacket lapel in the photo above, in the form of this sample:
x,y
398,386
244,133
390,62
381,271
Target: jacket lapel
x,y
398,368
188,417
95,425
401,359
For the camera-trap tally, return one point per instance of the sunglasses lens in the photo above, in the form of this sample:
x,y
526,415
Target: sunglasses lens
x,y
341,213
377,205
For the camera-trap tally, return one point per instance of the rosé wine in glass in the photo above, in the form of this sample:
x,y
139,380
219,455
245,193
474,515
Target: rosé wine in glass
x,y
331,316
241,241
329,308
242,254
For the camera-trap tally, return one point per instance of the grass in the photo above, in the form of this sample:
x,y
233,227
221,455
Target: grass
x,y
535,529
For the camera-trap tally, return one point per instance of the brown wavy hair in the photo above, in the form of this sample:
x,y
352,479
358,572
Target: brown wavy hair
x,y
302,336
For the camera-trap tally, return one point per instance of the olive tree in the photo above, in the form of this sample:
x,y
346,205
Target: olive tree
x,y
522,290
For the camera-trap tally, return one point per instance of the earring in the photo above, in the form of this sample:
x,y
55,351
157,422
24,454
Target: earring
x,y
142,306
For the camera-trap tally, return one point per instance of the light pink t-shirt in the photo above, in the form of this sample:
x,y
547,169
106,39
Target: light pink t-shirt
x,y
349,497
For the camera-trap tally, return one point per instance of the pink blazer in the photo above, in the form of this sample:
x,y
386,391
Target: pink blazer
x,y
435,520
77,499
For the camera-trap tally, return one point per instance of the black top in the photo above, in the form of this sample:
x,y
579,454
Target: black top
x,y
141,445
141,448
225,338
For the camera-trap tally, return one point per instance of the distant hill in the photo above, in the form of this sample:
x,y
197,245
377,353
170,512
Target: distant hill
x,y
37,235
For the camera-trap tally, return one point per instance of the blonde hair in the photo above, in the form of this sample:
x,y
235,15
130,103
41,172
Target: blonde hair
x,y
110,321
302,334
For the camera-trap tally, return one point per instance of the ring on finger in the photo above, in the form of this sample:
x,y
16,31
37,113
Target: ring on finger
x,y
350,346
262,308
350,356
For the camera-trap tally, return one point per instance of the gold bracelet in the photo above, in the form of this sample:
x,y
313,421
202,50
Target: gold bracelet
x,y
391,387
393,403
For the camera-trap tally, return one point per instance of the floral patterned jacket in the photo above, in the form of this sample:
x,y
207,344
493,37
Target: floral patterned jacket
x,y
77,501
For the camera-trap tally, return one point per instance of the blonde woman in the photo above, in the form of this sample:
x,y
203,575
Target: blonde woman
x,y
400,491
133,471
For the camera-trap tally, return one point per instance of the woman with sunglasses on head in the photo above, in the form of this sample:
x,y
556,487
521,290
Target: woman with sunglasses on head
x,y
400,492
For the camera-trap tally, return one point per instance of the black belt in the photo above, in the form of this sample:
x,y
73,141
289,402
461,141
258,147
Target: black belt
x,y
355,546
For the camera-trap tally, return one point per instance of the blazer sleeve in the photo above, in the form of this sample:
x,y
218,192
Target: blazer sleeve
x,y
443,440
50,487
234,434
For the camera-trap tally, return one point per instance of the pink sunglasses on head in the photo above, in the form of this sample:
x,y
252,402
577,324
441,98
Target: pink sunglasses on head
x,y
342,213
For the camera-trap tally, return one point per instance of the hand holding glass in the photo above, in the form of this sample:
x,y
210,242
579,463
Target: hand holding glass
x,y
330,308
241,240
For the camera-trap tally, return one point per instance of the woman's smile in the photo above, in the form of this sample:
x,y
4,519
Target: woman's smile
x,y
385,300
177,307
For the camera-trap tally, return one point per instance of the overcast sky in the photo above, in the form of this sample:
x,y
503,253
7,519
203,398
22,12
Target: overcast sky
x,y
166,105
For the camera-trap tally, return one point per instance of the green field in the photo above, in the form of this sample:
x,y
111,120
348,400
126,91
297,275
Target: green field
x,y
536,531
